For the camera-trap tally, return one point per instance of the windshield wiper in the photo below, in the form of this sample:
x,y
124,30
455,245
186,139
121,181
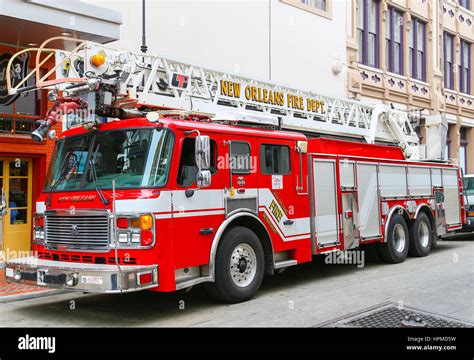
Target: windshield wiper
x,y
94,177
66,167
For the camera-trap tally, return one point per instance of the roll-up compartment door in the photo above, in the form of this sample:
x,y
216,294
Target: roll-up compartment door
x,y
452,205
326,219
368,200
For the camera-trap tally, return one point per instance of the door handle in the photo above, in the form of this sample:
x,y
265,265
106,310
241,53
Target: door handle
x,y
206,231
288,222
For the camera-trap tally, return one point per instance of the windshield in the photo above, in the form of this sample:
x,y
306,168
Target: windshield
x,y
469,186
133,158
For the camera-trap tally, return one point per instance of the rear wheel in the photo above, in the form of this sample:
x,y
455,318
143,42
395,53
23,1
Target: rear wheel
x,y
421,236
239,266
395,249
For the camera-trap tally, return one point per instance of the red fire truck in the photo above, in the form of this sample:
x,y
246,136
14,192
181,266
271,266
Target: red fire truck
x,y
170,175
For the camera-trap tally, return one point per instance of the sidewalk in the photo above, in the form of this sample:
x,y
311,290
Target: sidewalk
x,y
14,292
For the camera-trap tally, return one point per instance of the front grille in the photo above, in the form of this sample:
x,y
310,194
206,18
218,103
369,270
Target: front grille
x,y
89,232
87,258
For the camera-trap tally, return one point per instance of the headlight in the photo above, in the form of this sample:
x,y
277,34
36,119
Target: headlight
x,y
38,229
135,231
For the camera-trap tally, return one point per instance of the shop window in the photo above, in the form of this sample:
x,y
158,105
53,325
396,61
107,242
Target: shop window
x,y
19,116
18,191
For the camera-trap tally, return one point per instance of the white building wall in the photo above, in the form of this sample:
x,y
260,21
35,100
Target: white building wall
x,y
264,39
305,47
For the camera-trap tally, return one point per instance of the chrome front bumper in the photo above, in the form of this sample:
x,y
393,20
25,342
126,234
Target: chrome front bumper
x,y
95,278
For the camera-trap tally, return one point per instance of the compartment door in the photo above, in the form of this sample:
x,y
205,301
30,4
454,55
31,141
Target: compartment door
x,y
368,201
350,217
325,192
452,203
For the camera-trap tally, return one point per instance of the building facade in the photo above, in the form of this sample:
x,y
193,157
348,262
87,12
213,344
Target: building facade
x,y
300,43
23,163
416,54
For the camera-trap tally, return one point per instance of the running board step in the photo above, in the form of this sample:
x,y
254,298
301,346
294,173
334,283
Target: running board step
x,y
284,264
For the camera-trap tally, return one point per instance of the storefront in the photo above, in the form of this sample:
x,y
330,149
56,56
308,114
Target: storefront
x,y
23,162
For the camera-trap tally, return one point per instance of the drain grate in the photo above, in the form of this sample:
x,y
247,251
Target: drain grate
x,y
388,315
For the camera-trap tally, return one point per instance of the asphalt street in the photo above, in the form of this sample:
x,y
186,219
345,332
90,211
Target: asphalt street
x,y
306,295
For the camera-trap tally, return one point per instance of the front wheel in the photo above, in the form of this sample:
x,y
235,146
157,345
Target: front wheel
x,y
239,266
395,248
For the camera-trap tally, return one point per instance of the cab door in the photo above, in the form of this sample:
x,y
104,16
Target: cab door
x,y
278,187
197,213
241,189
17,184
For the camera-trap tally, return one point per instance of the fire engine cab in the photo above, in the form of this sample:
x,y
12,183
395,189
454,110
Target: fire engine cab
x,y
170,175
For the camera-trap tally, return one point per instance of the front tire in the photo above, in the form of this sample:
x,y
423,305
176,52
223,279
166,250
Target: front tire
x,y
395,249
421,236
239,266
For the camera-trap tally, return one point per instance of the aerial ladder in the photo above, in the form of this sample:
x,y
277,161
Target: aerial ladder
x,y
108,83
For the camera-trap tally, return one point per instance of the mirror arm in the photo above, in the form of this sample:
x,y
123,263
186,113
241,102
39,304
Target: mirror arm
x,y
189,132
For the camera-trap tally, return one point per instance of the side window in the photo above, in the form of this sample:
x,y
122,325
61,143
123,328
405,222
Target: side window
x,y
240,157
275,159
187,164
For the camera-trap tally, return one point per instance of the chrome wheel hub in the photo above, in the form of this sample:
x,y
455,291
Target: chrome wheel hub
x,y
243,265
399,238
424,234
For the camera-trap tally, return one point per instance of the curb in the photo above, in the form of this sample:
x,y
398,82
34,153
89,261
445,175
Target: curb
x,y
33,295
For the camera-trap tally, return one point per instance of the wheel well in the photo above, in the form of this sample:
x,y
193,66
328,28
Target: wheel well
x,y
427,211
262,234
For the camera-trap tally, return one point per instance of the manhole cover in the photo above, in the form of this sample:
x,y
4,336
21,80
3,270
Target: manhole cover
x,y
388,315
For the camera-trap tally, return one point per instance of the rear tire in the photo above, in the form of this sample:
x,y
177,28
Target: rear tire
x,y
240,264
421,236
395,249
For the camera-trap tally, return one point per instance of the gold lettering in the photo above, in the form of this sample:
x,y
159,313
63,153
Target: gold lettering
x,y
300,103
224,88
276,211
248,94
265,96
281,99
254,93
236,90
230,89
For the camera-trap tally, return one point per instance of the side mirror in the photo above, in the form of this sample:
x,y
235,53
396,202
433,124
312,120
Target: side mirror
x,y
203,161
203,152
203,178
